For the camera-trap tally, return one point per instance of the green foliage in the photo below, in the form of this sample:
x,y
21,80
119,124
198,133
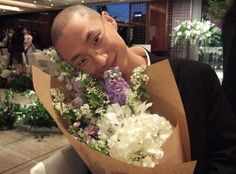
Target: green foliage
x,y
3,82
9,111
13,114
217,8
17,78
35,115
19,83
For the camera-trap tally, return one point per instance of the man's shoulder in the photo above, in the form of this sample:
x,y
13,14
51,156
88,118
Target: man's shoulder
x,y
183,66
191,70
189,65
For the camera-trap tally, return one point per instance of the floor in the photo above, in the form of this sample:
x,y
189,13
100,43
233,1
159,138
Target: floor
x,y
20,150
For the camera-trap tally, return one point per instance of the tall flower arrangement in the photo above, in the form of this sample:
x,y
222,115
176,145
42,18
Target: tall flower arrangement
x,y
202,33
109,115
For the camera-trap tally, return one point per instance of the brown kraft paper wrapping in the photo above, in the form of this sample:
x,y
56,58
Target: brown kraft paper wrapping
x,y
166,101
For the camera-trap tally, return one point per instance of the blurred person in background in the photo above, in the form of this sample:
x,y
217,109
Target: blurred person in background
x,y
229,55
16,47
28,42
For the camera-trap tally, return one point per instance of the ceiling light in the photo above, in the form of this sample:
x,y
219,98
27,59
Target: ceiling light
x,y
11,8
23,4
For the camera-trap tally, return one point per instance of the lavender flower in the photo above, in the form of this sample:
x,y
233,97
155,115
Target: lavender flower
x,y
77,102
115,86
91,131
77,88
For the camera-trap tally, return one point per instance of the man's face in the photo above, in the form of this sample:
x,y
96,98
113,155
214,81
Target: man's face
x,y
93,45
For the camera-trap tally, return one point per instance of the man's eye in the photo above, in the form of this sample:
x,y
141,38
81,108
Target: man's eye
x,y
83,61
96,39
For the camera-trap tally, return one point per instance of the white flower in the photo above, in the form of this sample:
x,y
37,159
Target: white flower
x,y
111,119
196,32
81,77
177,28
57,94
62,108
179,33
142,137
83,111
139,78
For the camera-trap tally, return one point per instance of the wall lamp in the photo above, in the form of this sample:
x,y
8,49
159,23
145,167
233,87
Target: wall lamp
x,y
10,8
23,4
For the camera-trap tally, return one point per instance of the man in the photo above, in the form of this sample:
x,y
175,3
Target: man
x,y
229,54
90,42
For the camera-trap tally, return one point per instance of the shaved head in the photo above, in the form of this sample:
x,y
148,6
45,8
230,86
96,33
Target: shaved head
x,y
89,41
76,12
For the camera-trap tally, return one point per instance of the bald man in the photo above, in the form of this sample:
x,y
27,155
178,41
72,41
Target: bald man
x,y
90,42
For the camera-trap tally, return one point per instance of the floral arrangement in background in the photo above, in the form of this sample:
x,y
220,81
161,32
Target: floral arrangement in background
x,y
109,115
202,33
34,114
14,115
16,78
9,110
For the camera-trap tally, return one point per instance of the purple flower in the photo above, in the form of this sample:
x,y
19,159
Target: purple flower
x,y
115,86
77,102
91,131
77,88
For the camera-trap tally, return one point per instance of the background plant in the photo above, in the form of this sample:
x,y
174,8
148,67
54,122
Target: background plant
x,y
217,8
9,111
34,114
17,78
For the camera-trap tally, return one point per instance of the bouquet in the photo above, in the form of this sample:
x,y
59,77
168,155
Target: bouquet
x,y
111,117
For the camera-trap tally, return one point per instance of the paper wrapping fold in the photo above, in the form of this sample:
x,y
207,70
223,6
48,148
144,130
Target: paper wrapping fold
x,y
166,101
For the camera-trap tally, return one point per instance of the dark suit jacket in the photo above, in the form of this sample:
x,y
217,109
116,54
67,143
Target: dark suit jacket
x,y
229,62
211,123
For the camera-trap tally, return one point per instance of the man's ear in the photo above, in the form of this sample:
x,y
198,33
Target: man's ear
x,y
109,19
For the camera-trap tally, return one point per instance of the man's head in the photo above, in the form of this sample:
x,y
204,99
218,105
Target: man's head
x,y
89,41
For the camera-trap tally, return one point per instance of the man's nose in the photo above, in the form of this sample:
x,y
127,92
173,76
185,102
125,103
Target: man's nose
x,y
100,60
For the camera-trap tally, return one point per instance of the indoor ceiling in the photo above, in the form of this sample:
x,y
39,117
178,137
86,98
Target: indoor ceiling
x,y
22,6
